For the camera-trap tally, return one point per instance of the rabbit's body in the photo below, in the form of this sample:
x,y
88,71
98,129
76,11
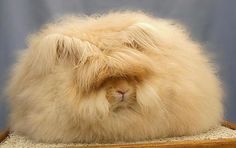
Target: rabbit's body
x,y
58,88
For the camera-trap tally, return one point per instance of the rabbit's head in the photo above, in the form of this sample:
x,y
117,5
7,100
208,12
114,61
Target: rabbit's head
x,y
104,78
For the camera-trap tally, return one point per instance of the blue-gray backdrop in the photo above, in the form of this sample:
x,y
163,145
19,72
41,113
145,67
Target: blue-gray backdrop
x,y
212,22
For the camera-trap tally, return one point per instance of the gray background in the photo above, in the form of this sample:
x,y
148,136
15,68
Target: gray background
x,y
212,22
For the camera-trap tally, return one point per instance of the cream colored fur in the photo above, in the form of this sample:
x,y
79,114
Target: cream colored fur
x,y
56,94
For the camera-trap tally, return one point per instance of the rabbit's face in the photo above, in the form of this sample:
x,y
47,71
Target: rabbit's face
x,y
120,93
99,80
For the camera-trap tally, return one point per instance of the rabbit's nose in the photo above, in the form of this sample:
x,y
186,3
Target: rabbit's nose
x,y
121,94
122,91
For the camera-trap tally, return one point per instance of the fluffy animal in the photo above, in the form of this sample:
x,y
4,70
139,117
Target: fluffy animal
x,y
123,76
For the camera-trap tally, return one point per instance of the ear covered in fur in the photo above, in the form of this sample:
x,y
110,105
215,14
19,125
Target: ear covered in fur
x,y
56,47
141,36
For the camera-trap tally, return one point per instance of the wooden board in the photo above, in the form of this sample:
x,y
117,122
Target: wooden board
x,y
4,134
218,143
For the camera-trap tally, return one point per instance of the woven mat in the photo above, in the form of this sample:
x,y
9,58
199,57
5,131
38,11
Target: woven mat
x,y
15,141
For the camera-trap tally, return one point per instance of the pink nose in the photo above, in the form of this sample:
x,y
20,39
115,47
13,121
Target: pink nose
x,y
121,92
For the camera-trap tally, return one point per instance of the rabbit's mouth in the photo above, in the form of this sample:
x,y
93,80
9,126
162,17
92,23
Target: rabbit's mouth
x,y
121,106
124,104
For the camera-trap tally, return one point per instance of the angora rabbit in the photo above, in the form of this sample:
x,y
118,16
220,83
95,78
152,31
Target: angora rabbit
x,y
125,76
